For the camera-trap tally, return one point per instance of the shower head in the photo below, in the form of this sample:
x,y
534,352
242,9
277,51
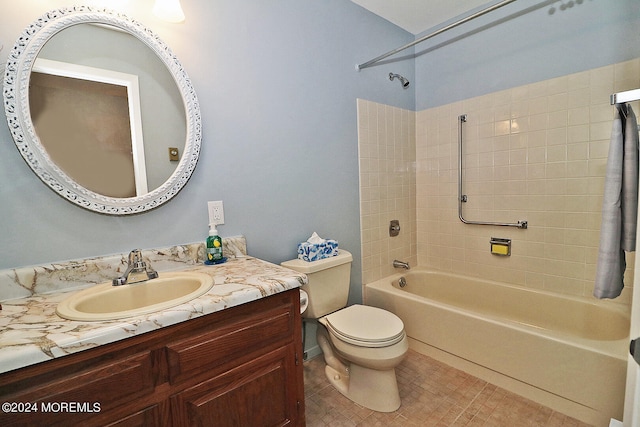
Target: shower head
x,y
405,82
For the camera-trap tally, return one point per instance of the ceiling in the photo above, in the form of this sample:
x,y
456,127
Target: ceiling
x,y
416,16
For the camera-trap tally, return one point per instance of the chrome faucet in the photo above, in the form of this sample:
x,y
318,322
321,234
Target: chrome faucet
x,y
137,270
401,264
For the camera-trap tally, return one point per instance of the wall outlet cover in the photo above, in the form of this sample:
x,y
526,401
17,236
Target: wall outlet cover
x,y
216,212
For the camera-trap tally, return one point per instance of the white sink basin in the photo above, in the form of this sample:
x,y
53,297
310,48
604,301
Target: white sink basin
x,y
108,302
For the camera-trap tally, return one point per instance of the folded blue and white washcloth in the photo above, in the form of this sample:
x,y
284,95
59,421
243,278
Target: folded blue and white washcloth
x,y
316,248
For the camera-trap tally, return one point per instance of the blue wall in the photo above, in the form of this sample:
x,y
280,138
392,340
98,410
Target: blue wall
x,y
524,42
277,86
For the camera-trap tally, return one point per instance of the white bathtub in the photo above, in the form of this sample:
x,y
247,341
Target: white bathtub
x,y
566,353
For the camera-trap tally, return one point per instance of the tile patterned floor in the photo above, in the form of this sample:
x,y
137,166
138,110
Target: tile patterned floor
x,y
433,394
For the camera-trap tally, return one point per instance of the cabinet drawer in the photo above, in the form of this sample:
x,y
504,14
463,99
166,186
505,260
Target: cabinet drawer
x,y
234,342
83,395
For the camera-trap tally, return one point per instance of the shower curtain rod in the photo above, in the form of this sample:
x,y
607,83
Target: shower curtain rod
x,y
627,96
435,33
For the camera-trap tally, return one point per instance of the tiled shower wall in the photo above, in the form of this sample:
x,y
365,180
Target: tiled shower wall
x,y
387,151
536,153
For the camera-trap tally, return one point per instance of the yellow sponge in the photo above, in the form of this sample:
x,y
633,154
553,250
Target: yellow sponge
x,y
500,246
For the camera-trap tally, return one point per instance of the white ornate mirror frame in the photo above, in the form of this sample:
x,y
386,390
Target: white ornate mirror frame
x,y
16,103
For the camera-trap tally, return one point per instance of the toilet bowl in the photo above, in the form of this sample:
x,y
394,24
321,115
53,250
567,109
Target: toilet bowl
x,y
362,345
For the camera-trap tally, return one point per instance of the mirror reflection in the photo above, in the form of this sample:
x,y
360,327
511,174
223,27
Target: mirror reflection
x,y
134,105
106,110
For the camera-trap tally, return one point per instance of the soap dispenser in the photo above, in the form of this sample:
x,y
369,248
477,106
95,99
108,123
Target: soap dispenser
x,y
214,246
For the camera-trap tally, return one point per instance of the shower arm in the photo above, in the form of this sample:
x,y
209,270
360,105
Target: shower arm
x,y
433,34
462,198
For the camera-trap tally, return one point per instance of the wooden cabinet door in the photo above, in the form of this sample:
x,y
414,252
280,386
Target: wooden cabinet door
x,y
259,393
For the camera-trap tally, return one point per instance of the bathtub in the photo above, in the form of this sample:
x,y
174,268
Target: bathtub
x,y
567,353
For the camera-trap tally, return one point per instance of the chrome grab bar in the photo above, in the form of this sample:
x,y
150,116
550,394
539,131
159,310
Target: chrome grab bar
x,y
462,198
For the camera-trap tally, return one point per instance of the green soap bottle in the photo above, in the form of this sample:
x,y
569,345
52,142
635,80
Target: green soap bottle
x,y
214,246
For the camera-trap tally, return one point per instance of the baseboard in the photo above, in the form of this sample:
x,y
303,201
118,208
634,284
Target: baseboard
x,y
312,352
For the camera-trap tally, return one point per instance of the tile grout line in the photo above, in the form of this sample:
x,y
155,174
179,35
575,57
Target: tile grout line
x,y
475,398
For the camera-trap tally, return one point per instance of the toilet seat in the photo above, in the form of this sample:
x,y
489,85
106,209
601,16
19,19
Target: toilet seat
x,y
365,326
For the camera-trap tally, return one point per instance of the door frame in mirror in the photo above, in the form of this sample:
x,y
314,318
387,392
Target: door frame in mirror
x,y
16,102
129,82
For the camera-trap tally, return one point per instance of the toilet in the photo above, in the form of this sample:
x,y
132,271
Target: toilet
x,y
361,345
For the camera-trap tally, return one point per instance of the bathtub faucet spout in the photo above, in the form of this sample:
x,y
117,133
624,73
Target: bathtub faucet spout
x,y
401,264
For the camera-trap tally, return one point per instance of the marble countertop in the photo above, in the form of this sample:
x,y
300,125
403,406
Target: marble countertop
x,y
31,332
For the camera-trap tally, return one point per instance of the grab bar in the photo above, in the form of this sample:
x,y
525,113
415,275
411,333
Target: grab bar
x,y
462,198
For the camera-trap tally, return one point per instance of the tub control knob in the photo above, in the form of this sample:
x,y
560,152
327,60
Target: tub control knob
x,y
394,228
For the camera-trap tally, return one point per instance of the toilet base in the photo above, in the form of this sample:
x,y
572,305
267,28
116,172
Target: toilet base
x,y
373,389
376,389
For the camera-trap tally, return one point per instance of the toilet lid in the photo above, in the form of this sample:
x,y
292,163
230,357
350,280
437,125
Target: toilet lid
x,y
366,326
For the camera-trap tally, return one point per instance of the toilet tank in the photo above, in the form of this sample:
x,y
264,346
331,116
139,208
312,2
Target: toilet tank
x,y
328,285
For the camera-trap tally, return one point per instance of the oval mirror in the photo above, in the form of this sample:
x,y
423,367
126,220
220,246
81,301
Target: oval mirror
x,y
102,110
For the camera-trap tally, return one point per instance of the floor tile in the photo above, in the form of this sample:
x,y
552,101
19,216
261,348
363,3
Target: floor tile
x,y
433,394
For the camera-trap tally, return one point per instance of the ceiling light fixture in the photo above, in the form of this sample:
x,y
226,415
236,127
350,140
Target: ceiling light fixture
x,y
168,10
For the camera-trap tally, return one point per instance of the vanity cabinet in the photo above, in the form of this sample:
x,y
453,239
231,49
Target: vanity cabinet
x,y
241,366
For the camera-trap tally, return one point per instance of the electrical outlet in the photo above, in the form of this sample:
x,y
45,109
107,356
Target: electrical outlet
x,y
216,212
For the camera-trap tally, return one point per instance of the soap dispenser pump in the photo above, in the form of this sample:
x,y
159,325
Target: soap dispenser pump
x,y
214,246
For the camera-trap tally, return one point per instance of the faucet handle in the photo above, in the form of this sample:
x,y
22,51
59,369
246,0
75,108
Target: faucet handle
x,y
119,281
138,264
135,266
135,256
135,260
